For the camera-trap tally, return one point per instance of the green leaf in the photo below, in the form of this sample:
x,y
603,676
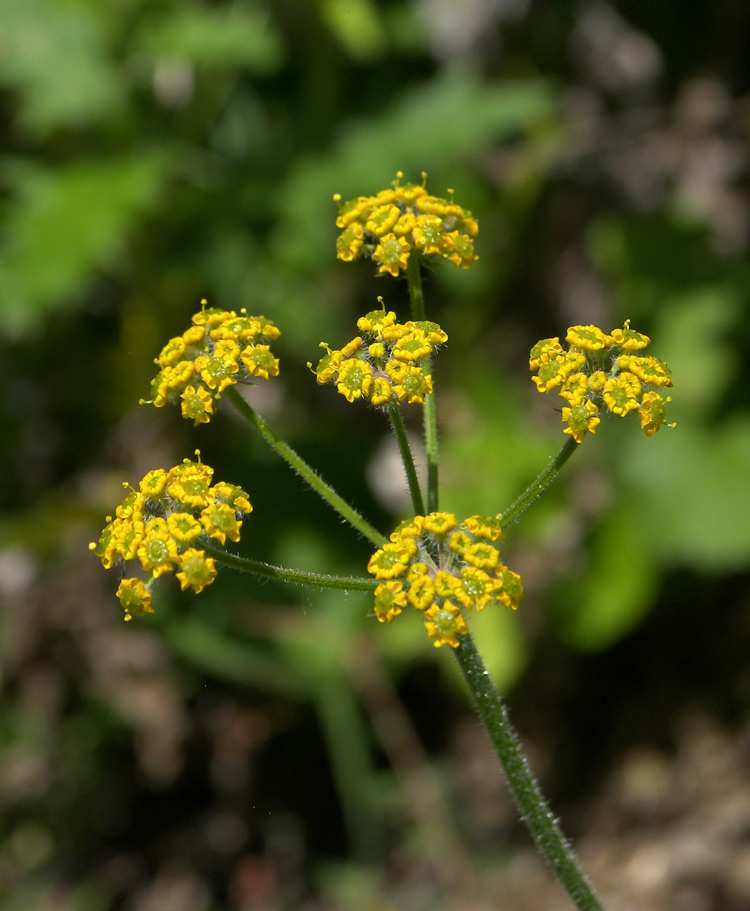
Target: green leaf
x,y
56,56
64,224
225,37
615,591
357,25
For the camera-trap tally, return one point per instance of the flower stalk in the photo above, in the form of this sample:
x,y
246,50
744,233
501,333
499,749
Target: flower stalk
x,y
294,576
414,280
407,459
519,506
301,467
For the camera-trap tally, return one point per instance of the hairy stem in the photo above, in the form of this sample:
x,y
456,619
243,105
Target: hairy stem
x,y
397,423
534,490
299,465
295,576
416,297
527,794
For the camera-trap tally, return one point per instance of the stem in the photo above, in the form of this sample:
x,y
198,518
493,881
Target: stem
x,y
397,423
304,470
295,576
522,503
430,413
531,803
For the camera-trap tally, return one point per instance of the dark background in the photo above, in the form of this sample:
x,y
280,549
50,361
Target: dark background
x,y
259,747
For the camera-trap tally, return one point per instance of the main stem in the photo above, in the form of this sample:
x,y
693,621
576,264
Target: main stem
x,y
531,803
416,297
304,470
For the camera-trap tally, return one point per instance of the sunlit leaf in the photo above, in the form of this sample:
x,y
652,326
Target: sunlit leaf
x,y
65,223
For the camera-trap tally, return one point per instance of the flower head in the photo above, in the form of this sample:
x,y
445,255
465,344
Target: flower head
x,y
220,349
406,219
600,373
161,526
442,568
387,364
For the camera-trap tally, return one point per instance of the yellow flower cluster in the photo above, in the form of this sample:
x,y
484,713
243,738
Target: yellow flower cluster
x,y
600,372
220,348
443,568
162,524
386,364
395,222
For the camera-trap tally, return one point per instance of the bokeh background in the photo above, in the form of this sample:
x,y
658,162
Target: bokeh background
x,y
259,747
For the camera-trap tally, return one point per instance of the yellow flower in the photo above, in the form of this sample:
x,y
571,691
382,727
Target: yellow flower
x,y
134,597
260,361
392,253
221,348
159,524
387,363
653,414
444,567
440,523
421,592
445,624
184,527
158,550
197,404
414,385
390,600
391,560
477,588
381,391
588,338
354,379
629,339
398,221
621,392
581,419
197,570
220,522
575,388
543,351
600,371
512,588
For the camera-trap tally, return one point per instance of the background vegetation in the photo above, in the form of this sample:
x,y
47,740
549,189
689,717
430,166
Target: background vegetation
x,y
260,747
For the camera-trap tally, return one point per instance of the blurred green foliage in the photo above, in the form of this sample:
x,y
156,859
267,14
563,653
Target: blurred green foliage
x,y
155,152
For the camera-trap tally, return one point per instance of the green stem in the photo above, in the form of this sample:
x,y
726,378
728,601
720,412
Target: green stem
x,y
304,470
416,297
522,503
532,805
295,576
414,279
397,423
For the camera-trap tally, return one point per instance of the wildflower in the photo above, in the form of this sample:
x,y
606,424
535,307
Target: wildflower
x,y
387,364
197,404
221,348
134,597
600,373
197,570
401,221
581,418
390,600
653,413
161,526
444,568
445,624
